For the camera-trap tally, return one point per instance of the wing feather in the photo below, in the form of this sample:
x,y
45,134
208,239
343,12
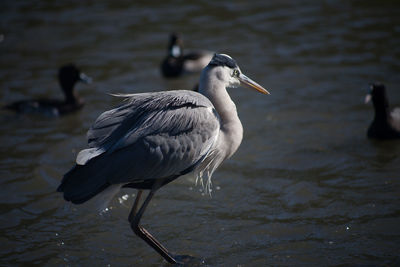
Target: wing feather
x,y
153,135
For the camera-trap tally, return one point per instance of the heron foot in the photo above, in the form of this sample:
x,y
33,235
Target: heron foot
x,y
188,261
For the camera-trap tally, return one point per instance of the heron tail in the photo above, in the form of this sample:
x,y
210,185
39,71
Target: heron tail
x,y
81,183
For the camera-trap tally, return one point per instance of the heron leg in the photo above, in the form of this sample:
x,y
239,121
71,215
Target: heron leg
x,y
135,206
134,219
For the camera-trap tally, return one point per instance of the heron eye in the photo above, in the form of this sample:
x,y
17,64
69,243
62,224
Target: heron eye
x,y
235,73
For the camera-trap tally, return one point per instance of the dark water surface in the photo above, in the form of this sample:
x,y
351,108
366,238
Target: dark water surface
x,y
306,187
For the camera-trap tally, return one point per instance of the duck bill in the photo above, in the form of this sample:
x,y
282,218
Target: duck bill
x,y
246,81
367,98
84,78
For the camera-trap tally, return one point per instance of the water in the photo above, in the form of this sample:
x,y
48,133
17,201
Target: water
x,y
305,188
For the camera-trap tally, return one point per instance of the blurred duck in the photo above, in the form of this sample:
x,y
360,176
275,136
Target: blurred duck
x,y
178,63
68,76
386,123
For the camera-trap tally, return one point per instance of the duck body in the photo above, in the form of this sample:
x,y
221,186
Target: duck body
x,y
68,76
47,107
385,128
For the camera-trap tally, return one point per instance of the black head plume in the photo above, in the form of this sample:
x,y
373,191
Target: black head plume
x,y
223,60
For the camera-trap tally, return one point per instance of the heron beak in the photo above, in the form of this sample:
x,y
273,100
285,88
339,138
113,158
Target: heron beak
x,y
246,81
84,78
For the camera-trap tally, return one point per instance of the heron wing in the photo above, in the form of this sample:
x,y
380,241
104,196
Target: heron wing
x,y
154,135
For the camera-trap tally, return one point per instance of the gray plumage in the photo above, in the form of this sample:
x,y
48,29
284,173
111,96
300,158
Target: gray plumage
x,y
154,138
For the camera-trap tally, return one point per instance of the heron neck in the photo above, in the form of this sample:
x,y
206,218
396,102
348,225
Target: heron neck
x,y
231,132
216,92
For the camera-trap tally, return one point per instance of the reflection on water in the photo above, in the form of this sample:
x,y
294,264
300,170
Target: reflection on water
x,y
305,188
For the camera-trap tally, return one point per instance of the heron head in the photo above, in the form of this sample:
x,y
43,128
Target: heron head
x,y
229,72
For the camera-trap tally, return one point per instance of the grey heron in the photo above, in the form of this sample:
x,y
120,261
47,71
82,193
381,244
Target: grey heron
x,y
386,123
156,137
68,76
177,62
